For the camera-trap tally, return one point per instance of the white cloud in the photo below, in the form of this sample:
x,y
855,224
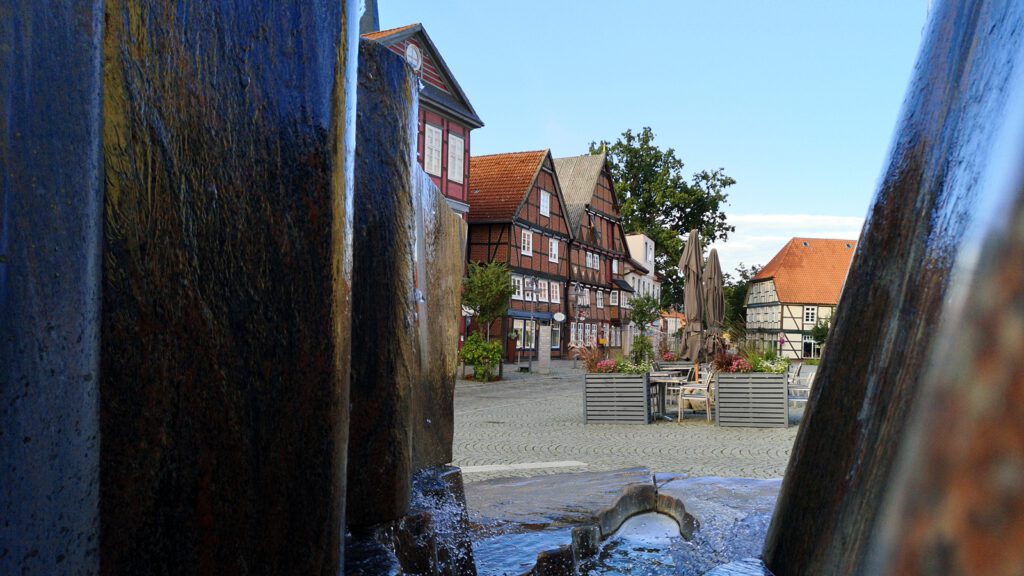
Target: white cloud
x,y
758,237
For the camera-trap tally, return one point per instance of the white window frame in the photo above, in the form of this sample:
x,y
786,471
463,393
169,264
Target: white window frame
x,y
432,154
456,157
556,337
615,266
526,243
542,290
613,299
552,249
517,287
597,262
555,293
545,203
810,314
600,298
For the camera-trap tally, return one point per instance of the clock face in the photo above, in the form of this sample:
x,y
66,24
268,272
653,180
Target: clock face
x,y
413,56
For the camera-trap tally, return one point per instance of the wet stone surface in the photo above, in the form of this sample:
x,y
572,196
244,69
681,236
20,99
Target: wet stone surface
x,y
515,519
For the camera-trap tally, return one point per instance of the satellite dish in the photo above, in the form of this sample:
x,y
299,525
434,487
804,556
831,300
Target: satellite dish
x,y
559,317
413,56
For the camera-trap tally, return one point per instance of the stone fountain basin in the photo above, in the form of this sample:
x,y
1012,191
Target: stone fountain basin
x,y
522,524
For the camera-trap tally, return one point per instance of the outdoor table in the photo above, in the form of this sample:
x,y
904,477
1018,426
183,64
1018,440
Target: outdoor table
x,y
662,379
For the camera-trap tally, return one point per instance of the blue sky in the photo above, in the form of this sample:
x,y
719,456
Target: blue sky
x,y
797,100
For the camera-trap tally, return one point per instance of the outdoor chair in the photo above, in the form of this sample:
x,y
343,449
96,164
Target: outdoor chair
x,y
675,389
704,391
799,387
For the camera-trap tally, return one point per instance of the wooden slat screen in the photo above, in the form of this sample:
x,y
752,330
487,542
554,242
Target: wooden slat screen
x,y
754,399
617,399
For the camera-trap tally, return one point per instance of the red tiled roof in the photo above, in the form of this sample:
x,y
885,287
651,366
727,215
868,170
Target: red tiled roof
x,y
810,270
498,183
386,33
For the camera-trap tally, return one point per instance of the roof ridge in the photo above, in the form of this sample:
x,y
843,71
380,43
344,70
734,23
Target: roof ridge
x,y
390,31
542,151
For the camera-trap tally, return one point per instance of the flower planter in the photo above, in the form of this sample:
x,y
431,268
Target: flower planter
x,y
617,398
754,399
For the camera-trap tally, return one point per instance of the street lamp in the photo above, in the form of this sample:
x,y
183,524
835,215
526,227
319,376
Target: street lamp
x,y
531,294
581,306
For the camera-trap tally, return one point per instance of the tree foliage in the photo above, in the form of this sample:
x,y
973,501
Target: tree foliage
x,y
656,199
486,291
644,310
735,290
820,330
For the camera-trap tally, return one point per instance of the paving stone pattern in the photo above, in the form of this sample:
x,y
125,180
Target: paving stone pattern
x,y
531,418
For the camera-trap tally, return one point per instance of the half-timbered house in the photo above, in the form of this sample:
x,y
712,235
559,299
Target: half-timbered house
x,y
446,116
517,216
799,287
597,253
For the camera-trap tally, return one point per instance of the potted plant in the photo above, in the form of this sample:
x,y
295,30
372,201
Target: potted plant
x,y
751,389
615,391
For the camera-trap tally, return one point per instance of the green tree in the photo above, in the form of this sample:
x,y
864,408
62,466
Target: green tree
x,y
657,200
486,291
735,290
819,333
644,310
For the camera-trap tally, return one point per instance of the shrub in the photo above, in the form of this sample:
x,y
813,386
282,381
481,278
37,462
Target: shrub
x,y
482,356
590,355
606,366
667,356
768,361
628,367
643,350
739,365
811,361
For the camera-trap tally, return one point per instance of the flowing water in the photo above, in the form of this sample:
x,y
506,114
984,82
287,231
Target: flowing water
x,y
733,513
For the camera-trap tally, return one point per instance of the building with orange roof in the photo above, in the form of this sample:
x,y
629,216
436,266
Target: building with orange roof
x,y
446,116
798,288
517,216
598,251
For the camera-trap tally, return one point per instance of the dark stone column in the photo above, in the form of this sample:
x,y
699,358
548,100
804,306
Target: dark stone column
x,y
895,298
50,211
385,348
225,285
440,263
957,505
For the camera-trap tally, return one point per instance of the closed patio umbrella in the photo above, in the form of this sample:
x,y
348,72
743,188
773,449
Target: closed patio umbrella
x,y
714,304
693,299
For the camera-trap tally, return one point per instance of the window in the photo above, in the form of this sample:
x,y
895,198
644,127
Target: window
x,y
526,247
600,299
650,252
542,290
555,292
432,150
811,348
456,154
552,249
517,287
556,336
614,298
810,314
526,329
597,262
615,266
545,203
590,260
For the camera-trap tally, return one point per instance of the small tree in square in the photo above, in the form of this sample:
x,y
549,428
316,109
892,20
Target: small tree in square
x,y
644,310
486,290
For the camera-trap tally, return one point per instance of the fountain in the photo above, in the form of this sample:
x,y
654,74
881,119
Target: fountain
x,y
200,203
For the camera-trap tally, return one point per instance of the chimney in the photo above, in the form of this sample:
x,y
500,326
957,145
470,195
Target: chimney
x,y
369,22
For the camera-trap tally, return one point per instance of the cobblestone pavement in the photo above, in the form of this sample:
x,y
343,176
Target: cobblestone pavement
x,y
532,421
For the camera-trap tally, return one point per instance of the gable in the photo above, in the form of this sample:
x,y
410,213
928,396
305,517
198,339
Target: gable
x,y
439,84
